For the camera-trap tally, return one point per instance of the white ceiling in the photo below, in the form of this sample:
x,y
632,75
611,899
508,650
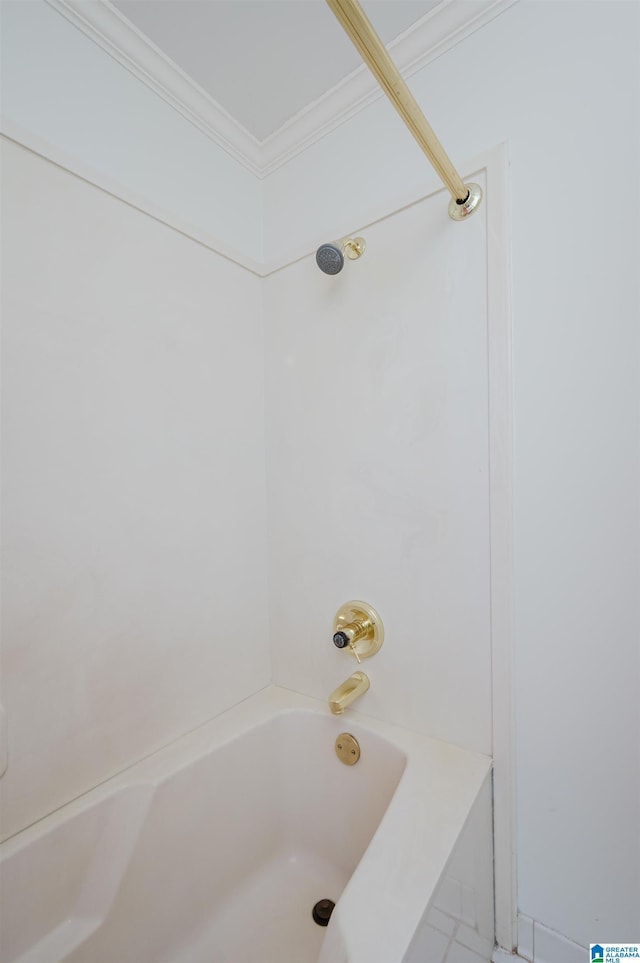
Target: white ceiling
x,y
262,60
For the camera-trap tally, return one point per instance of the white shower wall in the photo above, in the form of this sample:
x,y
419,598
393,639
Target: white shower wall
x,y
378,470
134,576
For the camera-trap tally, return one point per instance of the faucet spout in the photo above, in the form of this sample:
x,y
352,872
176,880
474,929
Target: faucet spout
x,y
350,690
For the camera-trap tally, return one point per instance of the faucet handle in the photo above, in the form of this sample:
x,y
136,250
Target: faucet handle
x,y
341,641
358,626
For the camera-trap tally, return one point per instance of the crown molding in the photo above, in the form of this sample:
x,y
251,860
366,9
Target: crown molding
x,y
107,27
424,41
430,37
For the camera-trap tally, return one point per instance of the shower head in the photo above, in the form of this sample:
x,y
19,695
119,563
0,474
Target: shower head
x,y
330,256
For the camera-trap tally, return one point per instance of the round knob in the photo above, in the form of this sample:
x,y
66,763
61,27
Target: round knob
x,y
340,640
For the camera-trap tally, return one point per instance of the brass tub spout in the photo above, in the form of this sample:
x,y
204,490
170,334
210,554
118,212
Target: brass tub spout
x,y
350,690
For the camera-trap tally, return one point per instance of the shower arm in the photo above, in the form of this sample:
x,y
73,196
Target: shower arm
x,y
465,198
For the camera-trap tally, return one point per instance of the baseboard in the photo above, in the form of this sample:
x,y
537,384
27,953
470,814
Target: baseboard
x,y
538,943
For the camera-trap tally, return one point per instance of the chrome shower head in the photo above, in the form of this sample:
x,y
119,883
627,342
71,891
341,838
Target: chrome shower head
x,y
330,257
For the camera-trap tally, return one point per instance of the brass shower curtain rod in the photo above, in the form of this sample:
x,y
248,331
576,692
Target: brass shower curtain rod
x,y
465,198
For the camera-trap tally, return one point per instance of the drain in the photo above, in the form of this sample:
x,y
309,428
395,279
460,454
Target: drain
x,y
322,911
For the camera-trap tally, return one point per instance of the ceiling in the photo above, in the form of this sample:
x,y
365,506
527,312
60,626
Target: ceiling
x,y
262,60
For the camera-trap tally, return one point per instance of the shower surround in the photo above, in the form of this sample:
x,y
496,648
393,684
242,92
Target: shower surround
x,y
377,458
378,482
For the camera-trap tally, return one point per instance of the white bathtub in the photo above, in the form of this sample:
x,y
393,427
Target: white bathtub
x,y
217,847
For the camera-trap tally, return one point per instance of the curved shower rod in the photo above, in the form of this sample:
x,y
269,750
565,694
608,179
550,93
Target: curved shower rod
x,y
465,198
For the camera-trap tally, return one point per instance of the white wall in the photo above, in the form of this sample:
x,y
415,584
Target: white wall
x,y
134,509
561,85
378,471
59,85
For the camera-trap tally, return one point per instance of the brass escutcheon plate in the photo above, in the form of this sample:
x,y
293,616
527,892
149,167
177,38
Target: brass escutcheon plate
x,y
347,749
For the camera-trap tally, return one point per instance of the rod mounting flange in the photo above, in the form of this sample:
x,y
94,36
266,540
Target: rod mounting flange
x,y
458,211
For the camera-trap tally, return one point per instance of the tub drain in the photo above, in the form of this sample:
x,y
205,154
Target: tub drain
x,y
322,911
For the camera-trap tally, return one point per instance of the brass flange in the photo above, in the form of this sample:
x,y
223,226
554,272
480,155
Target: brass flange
x,y
459,210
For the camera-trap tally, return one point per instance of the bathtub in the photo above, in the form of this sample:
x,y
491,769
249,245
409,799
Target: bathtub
x,y
217,847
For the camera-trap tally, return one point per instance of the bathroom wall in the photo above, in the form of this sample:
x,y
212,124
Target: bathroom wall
x,y
134,588
560,85
378,470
